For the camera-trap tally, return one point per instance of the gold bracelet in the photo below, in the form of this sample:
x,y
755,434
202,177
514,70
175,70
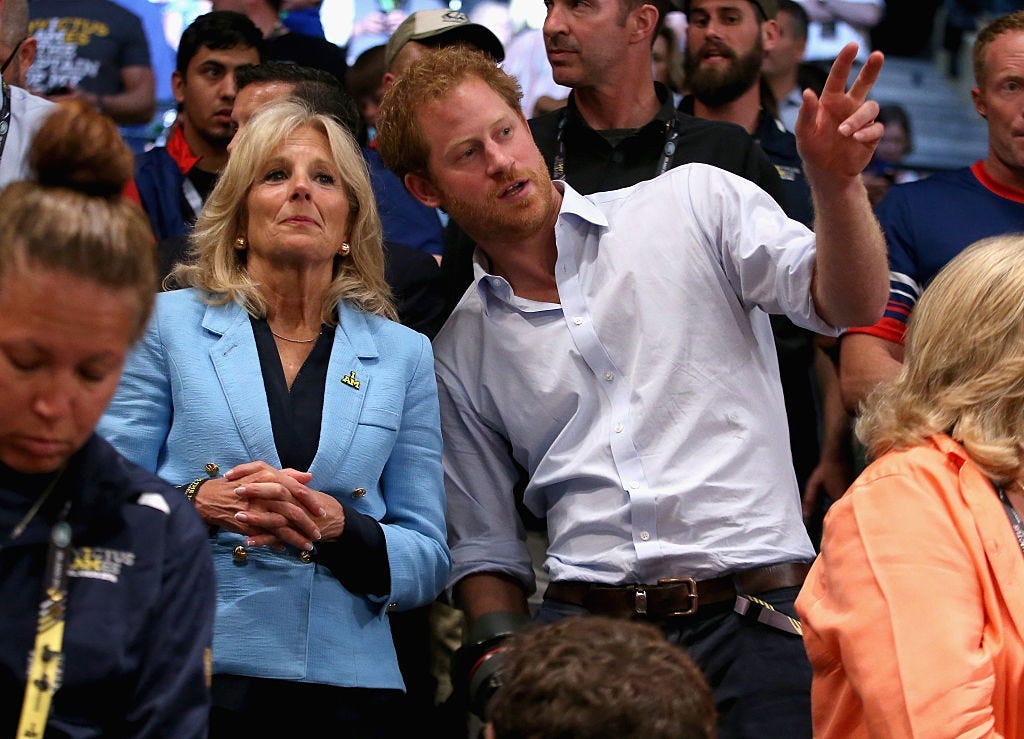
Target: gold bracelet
x,y
193,488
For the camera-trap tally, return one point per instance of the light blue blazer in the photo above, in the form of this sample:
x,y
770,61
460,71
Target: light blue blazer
x,y
192,392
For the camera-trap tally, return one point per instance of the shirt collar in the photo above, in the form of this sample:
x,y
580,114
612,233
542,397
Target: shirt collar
x,y
179,150
573,204
665,113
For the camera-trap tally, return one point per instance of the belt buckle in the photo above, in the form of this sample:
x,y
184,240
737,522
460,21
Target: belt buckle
x,y
691,586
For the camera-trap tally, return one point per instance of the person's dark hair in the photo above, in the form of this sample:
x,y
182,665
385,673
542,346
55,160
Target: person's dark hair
x,y
896,113
366,74
811,76
593,676
73,217
799,15
330,99
278,71
219,29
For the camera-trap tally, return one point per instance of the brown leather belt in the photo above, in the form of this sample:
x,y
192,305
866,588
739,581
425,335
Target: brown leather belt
x,y
672,597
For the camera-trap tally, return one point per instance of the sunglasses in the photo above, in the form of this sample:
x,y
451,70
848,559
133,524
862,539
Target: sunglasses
x,y
10,58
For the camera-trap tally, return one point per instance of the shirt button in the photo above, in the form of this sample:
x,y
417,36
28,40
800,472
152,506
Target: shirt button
x,y
618,428
578,321
609,376
645,535
634,485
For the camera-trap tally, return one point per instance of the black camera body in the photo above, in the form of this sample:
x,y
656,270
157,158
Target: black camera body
x,y
476,665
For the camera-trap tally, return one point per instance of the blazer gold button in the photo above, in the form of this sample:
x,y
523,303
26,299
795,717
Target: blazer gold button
x,y
359,492
306,556
212,469
392,607
239,554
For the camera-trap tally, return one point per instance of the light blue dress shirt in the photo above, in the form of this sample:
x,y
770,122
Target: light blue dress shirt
x,y
646,408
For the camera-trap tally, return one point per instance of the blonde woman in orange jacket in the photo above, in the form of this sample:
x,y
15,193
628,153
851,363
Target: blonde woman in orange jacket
x,y
913,613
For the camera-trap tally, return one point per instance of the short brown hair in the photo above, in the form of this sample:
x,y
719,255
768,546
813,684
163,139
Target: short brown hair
x,y
400,141
595,676
988,34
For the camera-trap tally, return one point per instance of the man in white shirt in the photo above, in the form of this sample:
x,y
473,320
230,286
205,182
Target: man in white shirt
x,y
617,348
22,111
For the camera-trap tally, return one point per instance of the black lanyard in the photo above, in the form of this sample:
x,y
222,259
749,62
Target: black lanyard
x,y
667,152
5,118
1015,519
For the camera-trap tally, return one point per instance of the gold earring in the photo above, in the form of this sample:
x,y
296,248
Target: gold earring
x,y
345,249
240,242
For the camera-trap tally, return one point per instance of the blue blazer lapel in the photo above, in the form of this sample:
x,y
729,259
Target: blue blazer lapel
x,y
347,385
237,365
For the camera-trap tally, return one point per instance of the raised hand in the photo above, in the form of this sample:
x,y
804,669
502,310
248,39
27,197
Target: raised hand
x,y
836,134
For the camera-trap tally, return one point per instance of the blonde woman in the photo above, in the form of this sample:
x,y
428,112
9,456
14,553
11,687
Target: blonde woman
x,y
913,614
302,421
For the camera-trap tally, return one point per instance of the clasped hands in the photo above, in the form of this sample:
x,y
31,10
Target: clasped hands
x,y
271,507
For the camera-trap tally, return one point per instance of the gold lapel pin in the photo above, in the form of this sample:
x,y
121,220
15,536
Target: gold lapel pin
x,y
350,379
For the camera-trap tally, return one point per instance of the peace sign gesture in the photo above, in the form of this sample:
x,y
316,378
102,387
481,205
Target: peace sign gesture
x,y
836,134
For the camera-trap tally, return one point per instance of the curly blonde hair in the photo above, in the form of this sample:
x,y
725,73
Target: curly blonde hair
x,y
217,268
963,371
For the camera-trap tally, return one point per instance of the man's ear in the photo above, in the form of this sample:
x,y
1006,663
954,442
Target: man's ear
x,y
27,53
178,86
770,34
387,81
423,190
643,21
979,102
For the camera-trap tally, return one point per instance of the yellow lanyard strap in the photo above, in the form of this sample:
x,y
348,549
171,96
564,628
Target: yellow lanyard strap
x,y
44,670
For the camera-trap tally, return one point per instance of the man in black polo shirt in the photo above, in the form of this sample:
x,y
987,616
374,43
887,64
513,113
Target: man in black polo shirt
x,y
725,46
619,126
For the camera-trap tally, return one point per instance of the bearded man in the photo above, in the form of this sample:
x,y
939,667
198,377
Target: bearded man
x,y
726,41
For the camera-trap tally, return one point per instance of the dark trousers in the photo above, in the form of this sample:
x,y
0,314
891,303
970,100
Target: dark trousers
x,y
255,707
760,677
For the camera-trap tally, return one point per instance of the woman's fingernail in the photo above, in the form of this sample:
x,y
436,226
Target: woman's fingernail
x,y
322,512
317,535
241,516
250,542
240,489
